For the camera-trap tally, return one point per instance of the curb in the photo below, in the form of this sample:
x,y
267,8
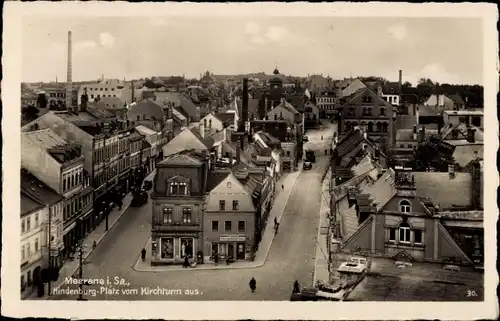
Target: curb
x,y
259,264
97,242
319,228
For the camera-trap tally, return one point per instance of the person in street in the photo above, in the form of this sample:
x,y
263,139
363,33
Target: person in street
x,y
216,258
119,203
186,262
275,221
143,254
276,226
282,186
253,284
94,245
296,287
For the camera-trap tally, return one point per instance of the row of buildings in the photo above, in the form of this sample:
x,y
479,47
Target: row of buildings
x,y
215,186
407,182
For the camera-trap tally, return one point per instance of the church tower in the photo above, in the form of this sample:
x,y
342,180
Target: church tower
x,y
276,88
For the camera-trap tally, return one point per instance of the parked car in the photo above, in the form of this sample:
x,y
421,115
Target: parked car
x,y
305,139
148,185
140,198
307,165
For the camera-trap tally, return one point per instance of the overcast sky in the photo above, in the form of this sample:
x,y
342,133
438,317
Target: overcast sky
x,y
447,50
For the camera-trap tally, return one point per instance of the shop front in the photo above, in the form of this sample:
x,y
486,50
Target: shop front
x,y
237,247
172,248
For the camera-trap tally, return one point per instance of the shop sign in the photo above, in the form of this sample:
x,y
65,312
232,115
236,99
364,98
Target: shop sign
x,y
232,238
186,234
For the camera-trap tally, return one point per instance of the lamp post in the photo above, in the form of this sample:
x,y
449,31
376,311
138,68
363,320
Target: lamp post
x,y
81,248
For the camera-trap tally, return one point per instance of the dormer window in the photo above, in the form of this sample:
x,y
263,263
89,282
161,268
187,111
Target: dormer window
x,y
182,189
405,206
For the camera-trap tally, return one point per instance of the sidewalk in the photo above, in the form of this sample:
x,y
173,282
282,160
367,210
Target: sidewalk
x,y
280,201
71,267
321,257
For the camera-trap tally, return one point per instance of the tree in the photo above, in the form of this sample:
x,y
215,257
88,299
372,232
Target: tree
x,y
29,113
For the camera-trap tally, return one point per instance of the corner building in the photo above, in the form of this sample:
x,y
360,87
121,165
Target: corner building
x,y
178,201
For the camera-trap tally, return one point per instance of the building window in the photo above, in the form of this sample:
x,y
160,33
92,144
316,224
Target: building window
x,y
382,111
167,216
404,233
183,189
241,226
392,235
23,226
36,246
167,248
215,226
402,145
235,205
36,220
417,236
23,253
186,215
227,226
405,206
174,188
222,205
288,153
28,224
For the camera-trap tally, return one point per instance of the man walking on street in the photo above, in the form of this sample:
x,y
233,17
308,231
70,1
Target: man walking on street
x,y
143,254
296,287
253,285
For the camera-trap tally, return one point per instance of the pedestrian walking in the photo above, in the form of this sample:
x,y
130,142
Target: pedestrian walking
x,y
119,204
276,228
296,287
216,258
94,245
253,284
186,262
275,221
143,254
282,186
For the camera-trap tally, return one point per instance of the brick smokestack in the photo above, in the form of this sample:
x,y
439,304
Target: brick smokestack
x,y
69,75
244,106
400,86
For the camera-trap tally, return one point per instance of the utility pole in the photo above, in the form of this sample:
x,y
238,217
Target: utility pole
x,y
81,250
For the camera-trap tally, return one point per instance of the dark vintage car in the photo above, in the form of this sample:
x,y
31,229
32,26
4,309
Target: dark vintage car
x,y
140,198
307,165
305,139
148,185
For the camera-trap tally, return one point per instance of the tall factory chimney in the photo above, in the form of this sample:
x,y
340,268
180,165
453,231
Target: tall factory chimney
x,y
69,76
400,86
244,106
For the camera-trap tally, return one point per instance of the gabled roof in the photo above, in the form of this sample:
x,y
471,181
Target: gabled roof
x,y
444,190
253,107
363,91
382,190
45,138
348,142
207,141
187,139
177,114
354,86
430,110
145,131
390,88
38,190
29,204
146,107
464,154
214,178
188,107
287,106
181,159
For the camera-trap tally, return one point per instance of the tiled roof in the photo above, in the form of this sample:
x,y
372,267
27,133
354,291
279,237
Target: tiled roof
x,y
45,138
390,88
364,166
347,144
288,107
218,136
214,178
178,114
446,132
207,141
444,190
145,107
464,154
145,131
226,118
383,189
456,99
188,107
38,190
29,204
253,107
180,159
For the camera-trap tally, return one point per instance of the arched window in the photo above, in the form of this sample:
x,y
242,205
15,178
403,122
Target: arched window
x,y
404,232
382,111
370,127
210,123
369,113
275,117
405,206
385,126
379,127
